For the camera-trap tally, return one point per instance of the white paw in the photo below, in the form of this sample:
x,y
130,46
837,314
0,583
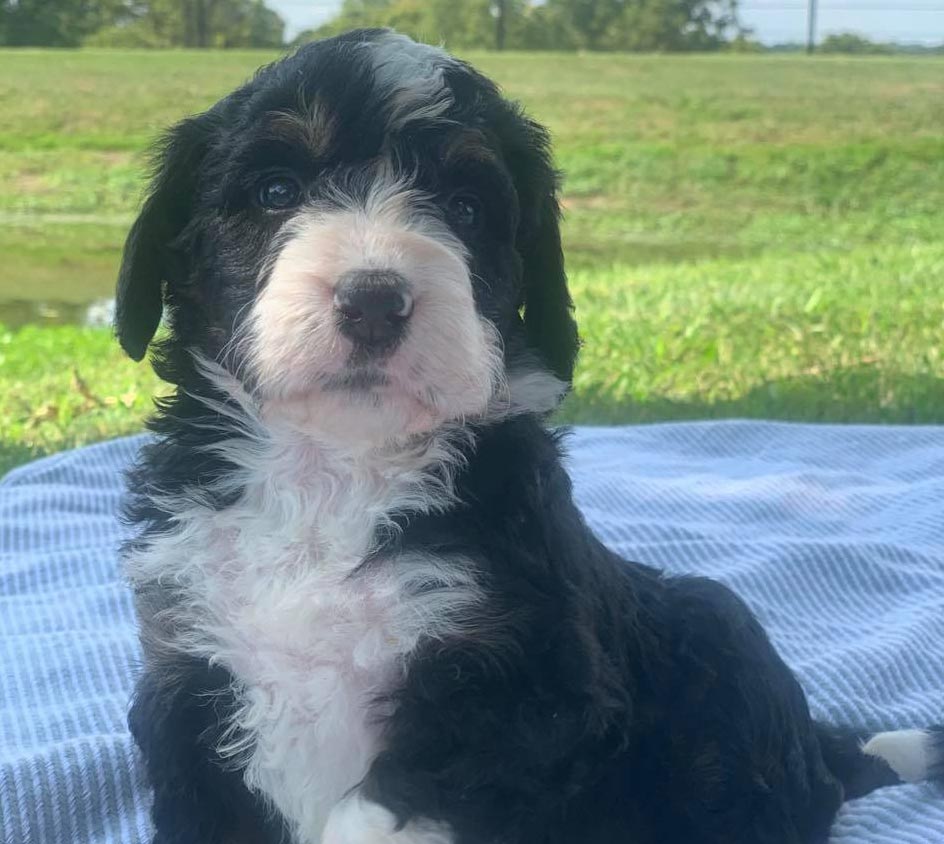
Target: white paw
x,y
356,820
909,753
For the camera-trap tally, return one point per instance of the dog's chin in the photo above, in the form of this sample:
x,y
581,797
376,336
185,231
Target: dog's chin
x,y
359,411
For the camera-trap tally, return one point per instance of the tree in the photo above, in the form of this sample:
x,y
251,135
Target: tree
x,y
551,25
196,23
591,21
677,25
140,23
230,23
670,25
461,25
501,23
541,28
849,42
55,23
264,27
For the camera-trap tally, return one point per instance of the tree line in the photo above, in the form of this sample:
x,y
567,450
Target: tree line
x,y
628,25
461,24
672,25
140,23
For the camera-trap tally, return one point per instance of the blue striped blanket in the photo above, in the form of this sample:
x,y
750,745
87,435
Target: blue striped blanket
x,y
835,535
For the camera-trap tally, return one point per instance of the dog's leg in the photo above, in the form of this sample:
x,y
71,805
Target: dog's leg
x,y
358,820
175,720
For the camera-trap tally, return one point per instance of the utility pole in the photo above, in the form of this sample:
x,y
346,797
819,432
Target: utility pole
x,y
501,13
811,27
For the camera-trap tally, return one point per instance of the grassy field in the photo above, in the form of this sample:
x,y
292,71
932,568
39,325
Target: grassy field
x,y
748,236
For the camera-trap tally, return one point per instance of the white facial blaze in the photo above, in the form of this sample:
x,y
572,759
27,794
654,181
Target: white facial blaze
x,y
448,366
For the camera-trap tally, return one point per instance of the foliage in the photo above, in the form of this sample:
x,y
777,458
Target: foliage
x,y
140,23
466,24
552,25
648,24
231,23
55,23
138,34
747,235
849,42
743,42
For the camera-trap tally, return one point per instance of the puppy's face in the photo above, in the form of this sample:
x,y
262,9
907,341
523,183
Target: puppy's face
x,y
366,236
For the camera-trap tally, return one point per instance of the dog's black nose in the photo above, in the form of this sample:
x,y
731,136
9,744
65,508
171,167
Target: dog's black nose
x,y
373,307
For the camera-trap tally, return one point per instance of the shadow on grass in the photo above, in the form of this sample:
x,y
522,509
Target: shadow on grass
x,y
863,395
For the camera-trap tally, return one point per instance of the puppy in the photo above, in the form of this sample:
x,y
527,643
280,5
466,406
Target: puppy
x,y
370,611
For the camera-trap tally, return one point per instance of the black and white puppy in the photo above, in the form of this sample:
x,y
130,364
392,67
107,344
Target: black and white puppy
x,y
370,611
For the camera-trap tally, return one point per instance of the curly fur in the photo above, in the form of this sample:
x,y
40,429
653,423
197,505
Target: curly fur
x,y
370,610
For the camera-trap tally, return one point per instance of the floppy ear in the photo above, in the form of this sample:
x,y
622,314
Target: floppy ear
x,y
549,323
548,309
149,260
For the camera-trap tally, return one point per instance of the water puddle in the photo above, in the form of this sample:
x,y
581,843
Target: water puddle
x,y
19,312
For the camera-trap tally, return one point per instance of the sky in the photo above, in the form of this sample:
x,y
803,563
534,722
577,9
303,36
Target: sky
x,y
773,21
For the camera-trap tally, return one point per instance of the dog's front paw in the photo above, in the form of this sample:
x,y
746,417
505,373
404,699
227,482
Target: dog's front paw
x,y
356,820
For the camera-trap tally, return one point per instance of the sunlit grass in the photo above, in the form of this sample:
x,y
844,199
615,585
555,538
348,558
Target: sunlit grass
x,y
748,236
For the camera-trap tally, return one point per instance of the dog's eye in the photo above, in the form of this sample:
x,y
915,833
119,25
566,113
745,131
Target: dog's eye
x,y
278,193
465,210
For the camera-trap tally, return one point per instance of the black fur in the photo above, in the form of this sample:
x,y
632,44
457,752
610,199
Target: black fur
x,y
601,702
610,703
177,721
199,239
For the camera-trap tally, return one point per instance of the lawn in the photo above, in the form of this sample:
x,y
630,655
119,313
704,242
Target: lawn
x,y
747,235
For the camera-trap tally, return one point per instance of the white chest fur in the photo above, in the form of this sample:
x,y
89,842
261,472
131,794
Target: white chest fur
x,y
272,589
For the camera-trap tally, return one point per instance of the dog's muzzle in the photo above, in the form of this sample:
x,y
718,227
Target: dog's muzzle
x,y
373,308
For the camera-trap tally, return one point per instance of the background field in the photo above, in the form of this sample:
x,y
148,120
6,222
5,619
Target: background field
x,y
748,236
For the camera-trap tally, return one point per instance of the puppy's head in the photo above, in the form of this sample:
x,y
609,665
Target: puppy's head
x,y
365,235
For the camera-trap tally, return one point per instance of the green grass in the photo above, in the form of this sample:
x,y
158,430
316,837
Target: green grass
x,y
748,236
66,386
